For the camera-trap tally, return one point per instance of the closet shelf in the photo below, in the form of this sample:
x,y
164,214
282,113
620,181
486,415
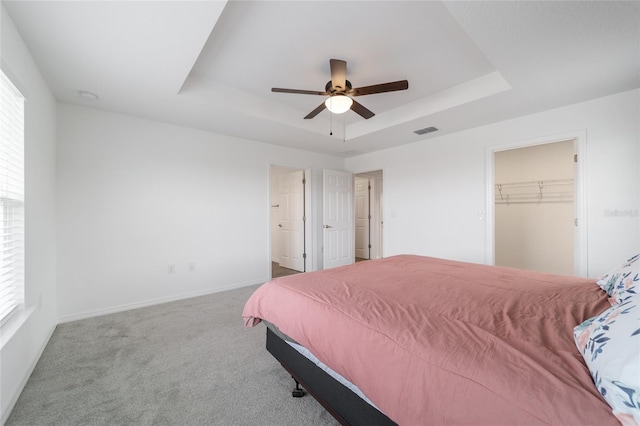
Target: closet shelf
x,y
553,190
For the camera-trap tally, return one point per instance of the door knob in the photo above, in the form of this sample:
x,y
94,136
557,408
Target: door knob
x,y
280,225
327,226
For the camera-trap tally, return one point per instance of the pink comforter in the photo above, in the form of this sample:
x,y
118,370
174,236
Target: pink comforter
x,y
435,342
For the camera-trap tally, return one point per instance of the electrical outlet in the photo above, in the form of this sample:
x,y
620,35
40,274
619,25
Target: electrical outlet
x,y
191,266
171,269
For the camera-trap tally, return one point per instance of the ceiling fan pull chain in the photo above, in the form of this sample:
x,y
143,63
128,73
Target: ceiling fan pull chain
x,y
330,124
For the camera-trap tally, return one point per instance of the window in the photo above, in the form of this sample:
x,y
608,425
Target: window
x,y
11,198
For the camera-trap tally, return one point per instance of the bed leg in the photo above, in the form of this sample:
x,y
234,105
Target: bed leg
x,y
298,392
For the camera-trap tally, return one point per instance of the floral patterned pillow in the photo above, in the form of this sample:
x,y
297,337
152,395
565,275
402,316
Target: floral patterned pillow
x,y
623,281
610,346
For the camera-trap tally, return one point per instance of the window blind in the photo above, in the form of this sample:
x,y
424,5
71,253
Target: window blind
x,y
11,198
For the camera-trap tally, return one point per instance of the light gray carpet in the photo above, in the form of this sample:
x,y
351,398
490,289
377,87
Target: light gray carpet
x,y
189,362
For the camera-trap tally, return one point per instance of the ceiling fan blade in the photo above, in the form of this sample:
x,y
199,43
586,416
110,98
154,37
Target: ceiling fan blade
x,y
380,88
359,109
316,111
300,92
338,74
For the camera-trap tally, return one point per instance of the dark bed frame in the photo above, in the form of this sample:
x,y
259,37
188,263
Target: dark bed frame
x,y
342,403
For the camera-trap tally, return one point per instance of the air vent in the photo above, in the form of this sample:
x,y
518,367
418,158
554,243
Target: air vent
x,y
351,153
425,130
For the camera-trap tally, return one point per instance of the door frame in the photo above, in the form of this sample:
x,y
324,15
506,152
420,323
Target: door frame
x,y
376,224
580,202
308,224
369,217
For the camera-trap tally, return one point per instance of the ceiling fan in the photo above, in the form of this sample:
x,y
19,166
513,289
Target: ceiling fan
x,y
339,90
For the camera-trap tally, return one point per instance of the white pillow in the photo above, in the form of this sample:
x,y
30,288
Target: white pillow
x,y
610,346
623,278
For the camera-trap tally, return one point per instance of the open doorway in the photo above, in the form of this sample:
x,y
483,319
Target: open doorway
x,y
368,215
534,208
535,212
288,193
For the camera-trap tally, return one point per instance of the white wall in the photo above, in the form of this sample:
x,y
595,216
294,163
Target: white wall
x,y
135,196
435,189
25,336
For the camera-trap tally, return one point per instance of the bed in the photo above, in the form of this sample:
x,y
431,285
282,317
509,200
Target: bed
x,y
414,340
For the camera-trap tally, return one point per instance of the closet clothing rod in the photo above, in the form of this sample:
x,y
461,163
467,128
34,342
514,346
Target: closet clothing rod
x,y
536,183
558,190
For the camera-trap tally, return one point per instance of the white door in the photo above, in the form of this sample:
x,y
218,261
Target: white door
x,y
292,220
338,244
363,216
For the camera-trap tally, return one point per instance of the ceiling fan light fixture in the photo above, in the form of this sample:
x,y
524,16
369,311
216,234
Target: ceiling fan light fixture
x,y
338,104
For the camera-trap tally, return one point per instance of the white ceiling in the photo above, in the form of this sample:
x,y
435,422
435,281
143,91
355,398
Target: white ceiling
x,y
211,64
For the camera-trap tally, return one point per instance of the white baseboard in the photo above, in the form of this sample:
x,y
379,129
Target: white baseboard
x,y
151,302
